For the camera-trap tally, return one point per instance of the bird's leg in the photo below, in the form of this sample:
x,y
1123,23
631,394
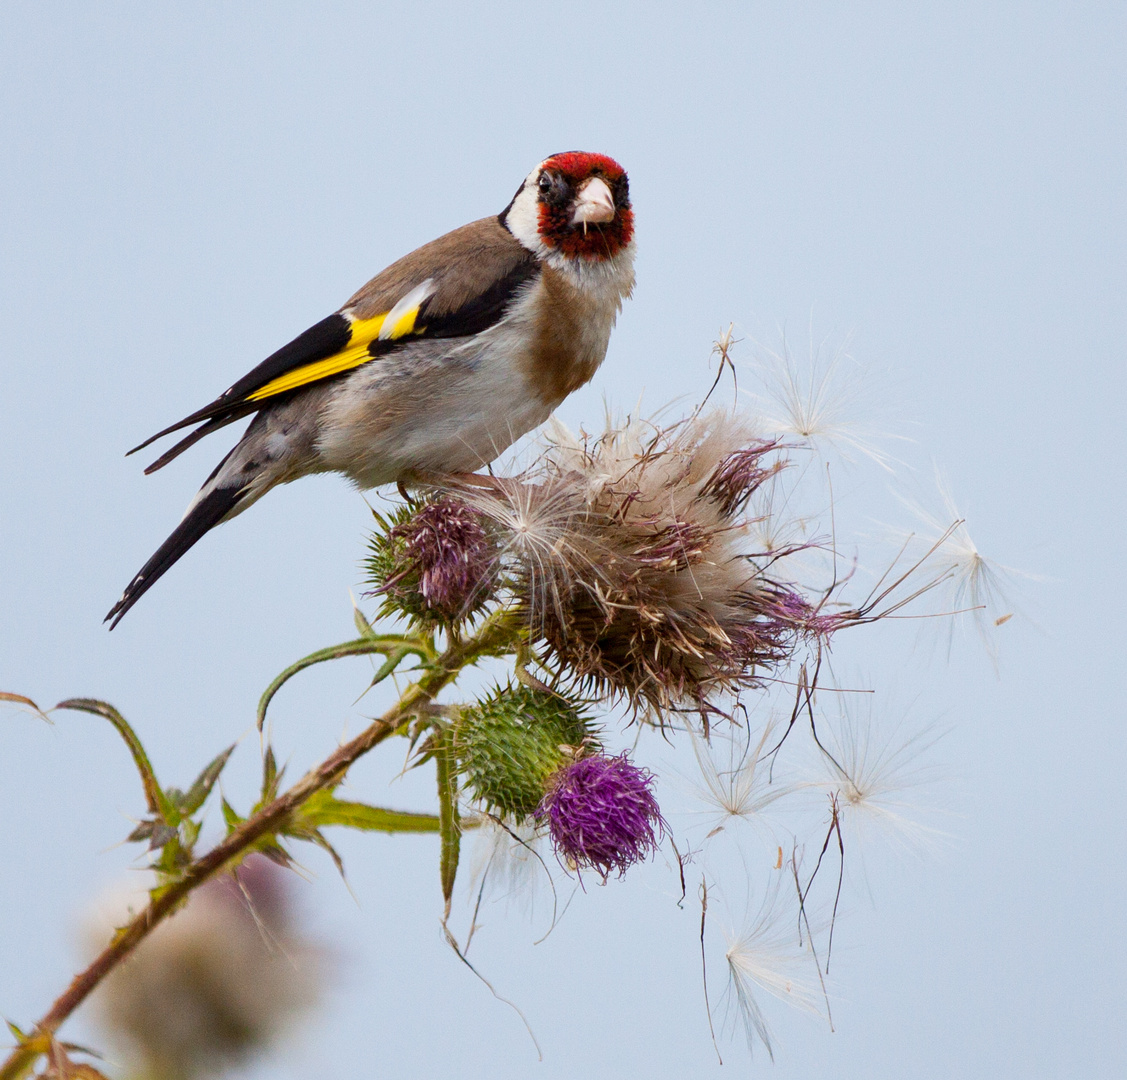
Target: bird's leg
x,y
480,480
524,676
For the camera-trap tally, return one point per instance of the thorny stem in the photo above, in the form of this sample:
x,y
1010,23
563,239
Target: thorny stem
x,y
495,633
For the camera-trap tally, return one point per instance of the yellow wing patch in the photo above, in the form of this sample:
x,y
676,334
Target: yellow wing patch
x,y
393,324
309,373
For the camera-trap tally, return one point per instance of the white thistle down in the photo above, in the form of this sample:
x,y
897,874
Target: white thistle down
x,y
822,403
876,776
509,862
765,955
974,583
741,789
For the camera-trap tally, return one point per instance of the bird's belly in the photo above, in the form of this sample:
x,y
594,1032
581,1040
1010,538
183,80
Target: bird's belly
x,y
447,414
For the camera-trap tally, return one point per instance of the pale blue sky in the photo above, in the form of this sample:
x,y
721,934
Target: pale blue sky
x,y
184,189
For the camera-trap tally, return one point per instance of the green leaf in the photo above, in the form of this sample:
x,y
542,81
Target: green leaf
x,y
189,833
363,646
271,777
199,791
325,809
231,817
19,1035
363,627
154,796
388,666
315,836
449,827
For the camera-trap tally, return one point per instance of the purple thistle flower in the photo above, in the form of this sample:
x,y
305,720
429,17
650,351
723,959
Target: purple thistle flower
x,y
602,814
440,563
791,612
739,475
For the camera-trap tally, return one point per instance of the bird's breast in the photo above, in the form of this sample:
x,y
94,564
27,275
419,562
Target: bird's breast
x,y
452,405
564,330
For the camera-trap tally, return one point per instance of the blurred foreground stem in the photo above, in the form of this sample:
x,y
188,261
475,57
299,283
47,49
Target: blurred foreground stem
x,y
497,633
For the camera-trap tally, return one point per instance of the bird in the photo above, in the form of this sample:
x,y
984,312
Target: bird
x,y
436,365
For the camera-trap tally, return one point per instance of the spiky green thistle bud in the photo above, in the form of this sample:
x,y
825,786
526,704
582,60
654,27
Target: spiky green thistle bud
x,y
510,744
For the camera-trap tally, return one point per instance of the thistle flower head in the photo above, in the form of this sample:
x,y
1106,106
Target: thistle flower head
x,y
509,744
634,565
435,562
602,814
220,981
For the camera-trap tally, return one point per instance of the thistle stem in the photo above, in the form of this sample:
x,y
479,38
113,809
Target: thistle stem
x,y
495,635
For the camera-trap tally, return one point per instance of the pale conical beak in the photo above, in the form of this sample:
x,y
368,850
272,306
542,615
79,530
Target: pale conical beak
x,y
595,203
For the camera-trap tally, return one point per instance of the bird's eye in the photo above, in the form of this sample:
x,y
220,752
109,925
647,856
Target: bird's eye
x,y
544,184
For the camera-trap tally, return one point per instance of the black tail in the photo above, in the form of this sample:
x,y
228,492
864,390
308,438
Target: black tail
x,y
206,514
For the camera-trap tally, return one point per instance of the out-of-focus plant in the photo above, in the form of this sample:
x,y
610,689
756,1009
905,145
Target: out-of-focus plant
x,y
209,989
659,573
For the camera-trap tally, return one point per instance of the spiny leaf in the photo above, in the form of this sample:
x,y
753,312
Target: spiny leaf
x,y
325,809
18,1033
363,627
154,796
271,776
449,826
161,835
143,831
189,833
201,788
366,645
231,817
315,836
275,853
388,666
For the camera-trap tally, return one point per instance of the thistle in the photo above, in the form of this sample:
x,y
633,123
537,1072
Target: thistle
x,y
435,562
218,984
511,743
633,563
602,814
640,568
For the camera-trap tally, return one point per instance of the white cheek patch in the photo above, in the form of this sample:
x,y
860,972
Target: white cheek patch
x,y
523,218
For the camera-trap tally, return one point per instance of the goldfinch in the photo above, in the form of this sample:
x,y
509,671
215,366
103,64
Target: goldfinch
x,y
436,365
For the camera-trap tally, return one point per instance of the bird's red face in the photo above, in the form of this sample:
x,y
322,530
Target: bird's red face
x,y
583,206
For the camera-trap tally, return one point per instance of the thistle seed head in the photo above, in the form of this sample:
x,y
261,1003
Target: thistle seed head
x,y
635,563
217,984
